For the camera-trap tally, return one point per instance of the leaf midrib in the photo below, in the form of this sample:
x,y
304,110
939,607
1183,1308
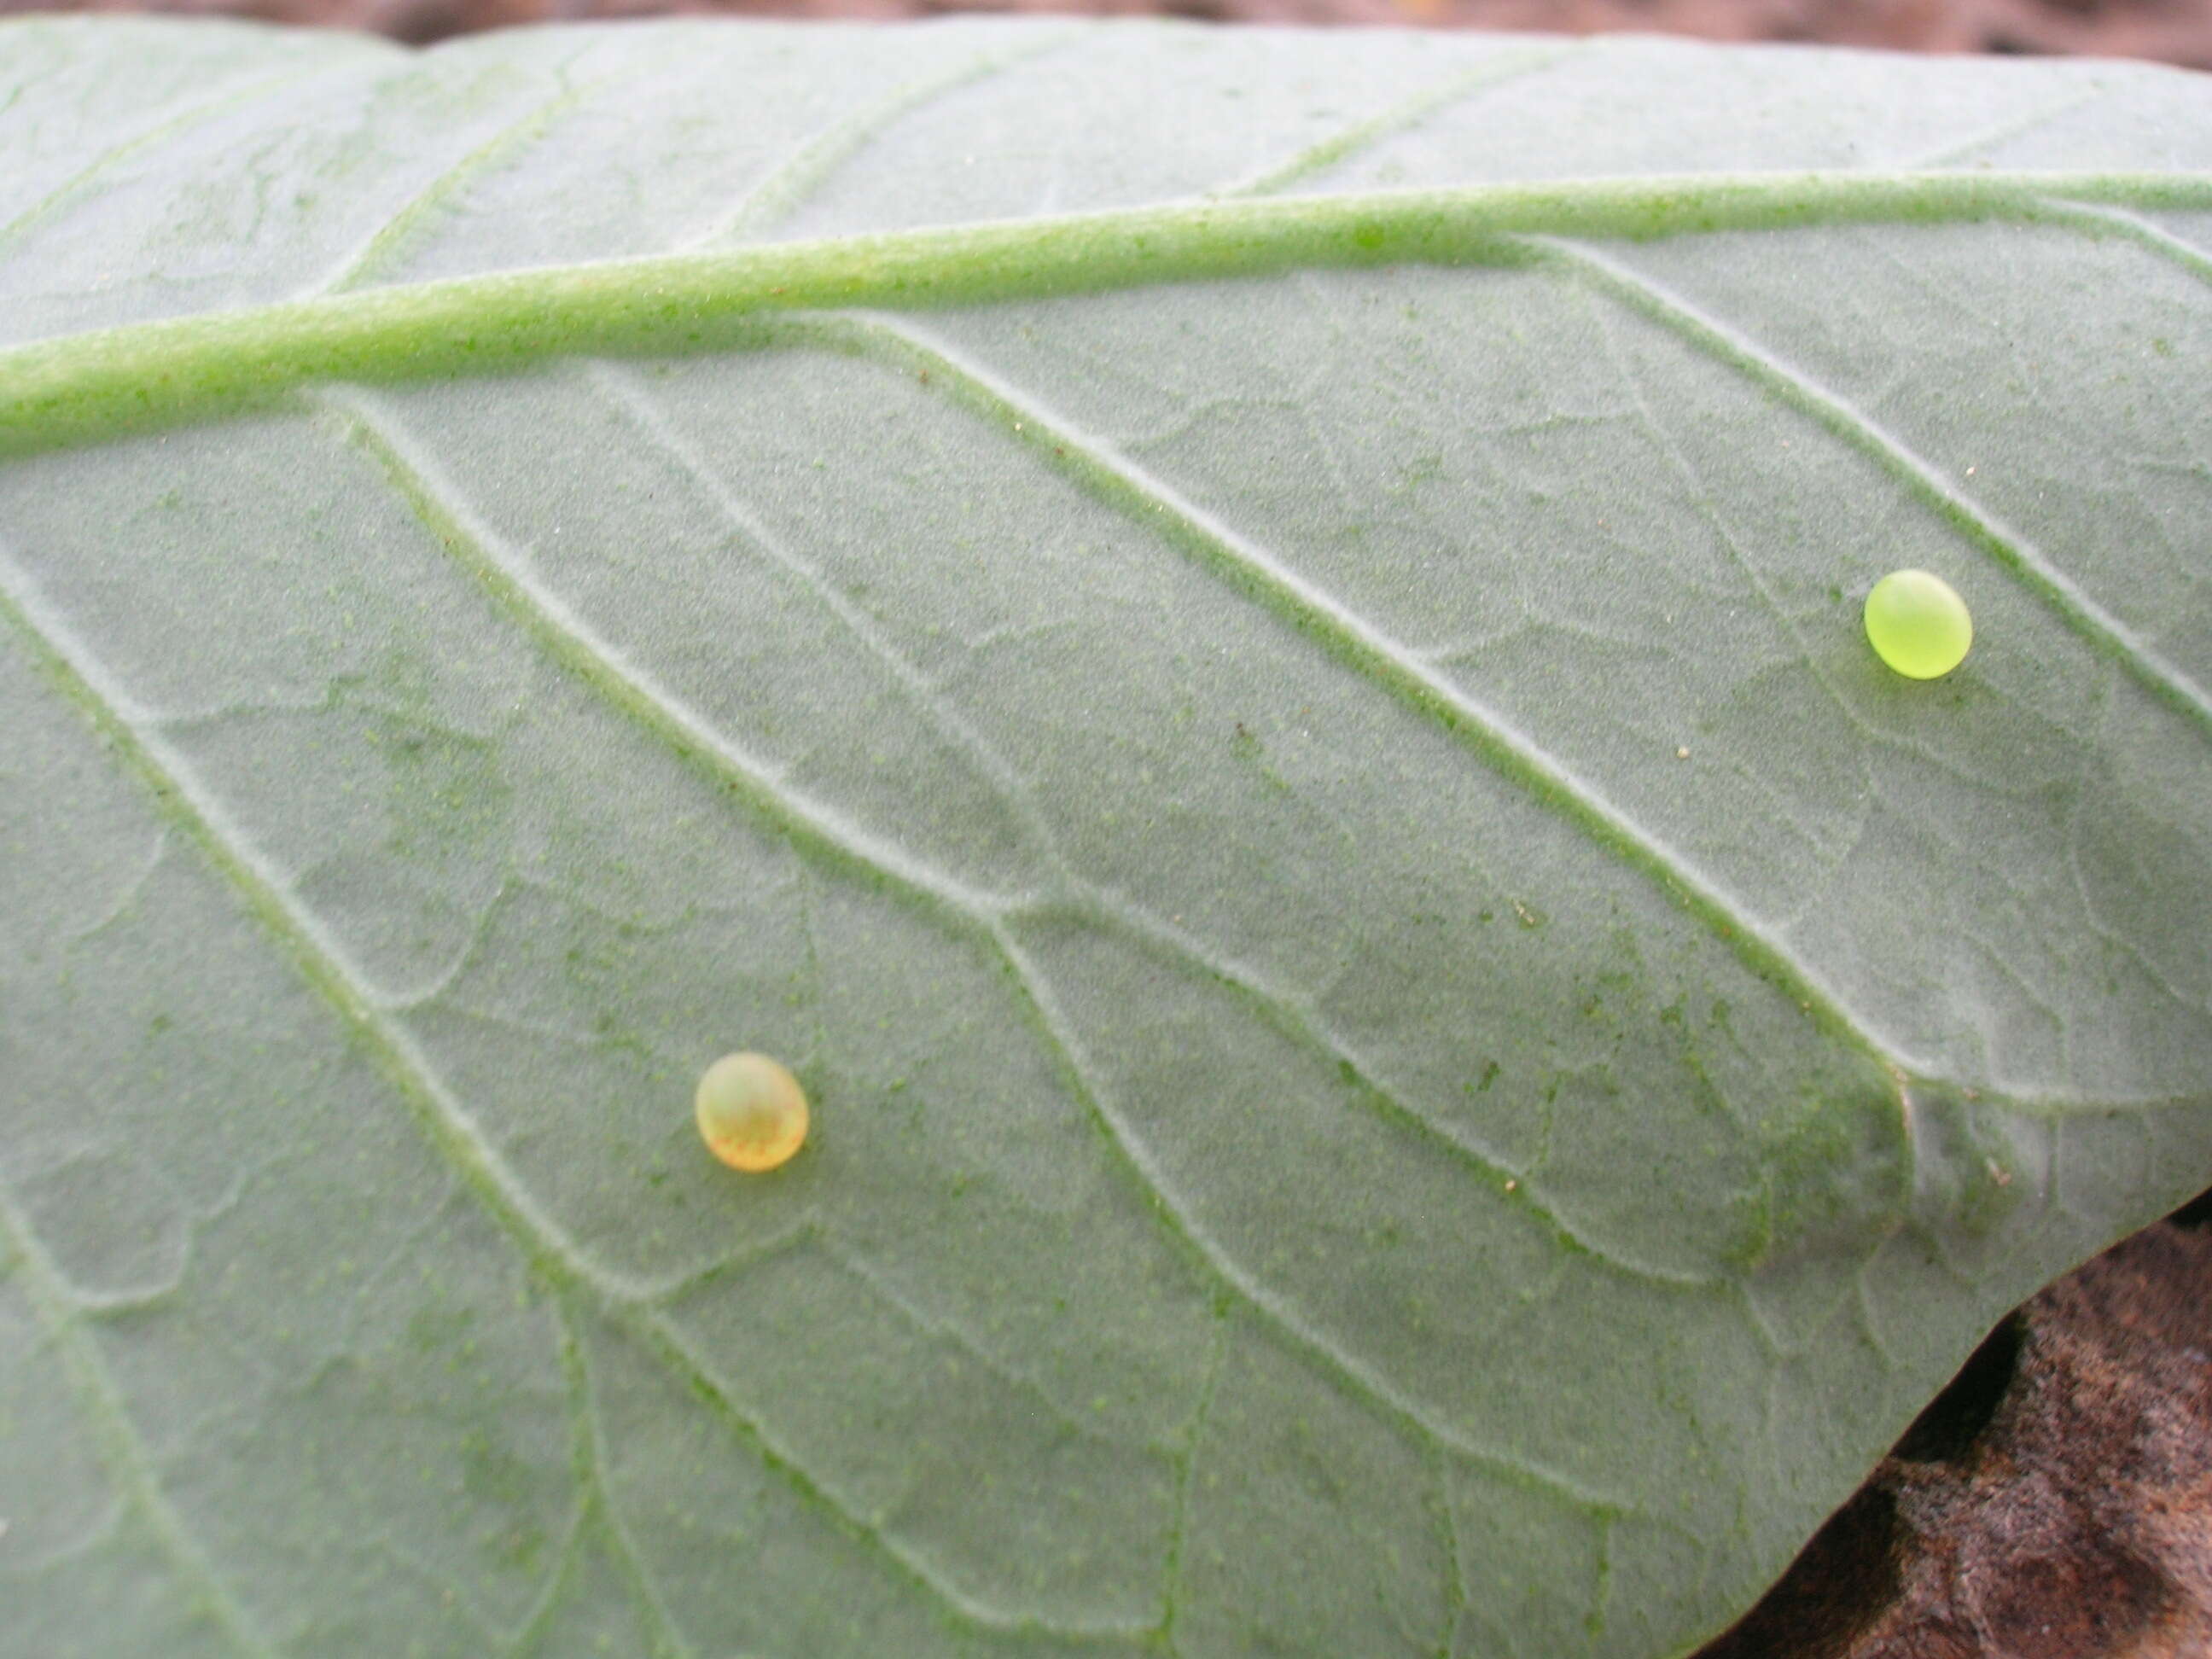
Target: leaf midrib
x,y
106,383
197,366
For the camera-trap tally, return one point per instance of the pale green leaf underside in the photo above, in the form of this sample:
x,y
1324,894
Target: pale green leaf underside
x,y
1242,648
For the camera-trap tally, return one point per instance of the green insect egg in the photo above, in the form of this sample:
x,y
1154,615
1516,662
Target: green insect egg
x,y
1918,624
751,1112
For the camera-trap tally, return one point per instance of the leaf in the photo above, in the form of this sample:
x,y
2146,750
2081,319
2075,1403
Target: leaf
x,y
1241,648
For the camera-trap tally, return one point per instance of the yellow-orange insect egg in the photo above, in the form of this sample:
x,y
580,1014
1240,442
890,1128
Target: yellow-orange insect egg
x,y
751,1112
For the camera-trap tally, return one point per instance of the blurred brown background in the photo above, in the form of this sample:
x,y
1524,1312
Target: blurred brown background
x,y
2172,31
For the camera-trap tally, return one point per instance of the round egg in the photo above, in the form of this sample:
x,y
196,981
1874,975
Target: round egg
x,y
751,1112
1918,624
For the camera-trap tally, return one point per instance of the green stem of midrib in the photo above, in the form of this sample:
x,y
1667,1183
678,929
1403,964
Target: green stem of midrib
x,y
87,387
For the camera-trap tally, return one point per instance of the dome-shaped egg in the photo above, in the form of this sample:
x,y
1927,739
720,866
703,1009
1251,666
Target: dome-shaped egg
x,y
751,1112
1918,624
